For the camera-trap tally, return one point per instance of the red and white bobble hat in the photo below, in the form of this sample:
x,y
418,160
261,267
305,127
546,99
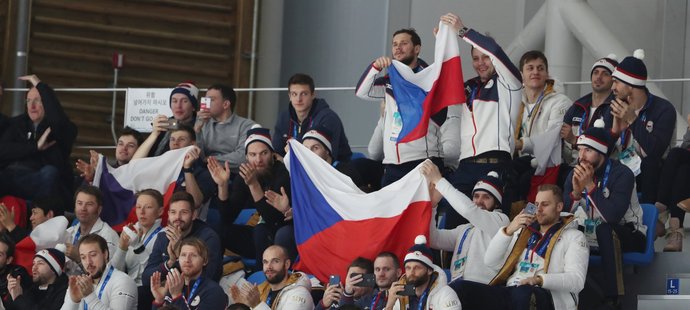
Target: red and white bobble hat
x,y
632,70
609,63
596,138
420,252
491,184
321,134
258,134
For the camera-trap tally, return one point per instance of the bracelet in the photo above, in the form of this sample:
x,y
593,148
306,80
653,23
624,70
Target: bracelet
x,y
187,170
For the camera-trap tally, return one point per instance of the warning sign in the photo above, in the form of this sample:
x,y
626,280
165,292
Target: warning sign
x,y
143,104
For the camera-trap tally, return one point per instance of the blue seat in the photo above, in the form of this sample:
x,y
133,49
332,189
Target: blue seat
x,y
244,216
649,215
257,277
357,155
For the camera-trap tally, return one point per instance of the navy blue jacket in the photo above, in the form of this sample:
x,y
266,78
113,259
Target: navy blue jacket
x,y
620,185
653,128
579,113
159,254
288,126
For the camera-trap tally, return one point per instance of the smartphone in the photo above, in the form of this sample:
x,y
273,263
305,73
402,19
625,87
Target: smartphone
x,y
368,279
172,124
408,290
531,209
334,280
205,103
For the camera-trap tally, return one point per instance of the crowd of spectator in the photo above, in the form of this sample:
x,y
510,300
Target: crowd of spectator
x,y
528,182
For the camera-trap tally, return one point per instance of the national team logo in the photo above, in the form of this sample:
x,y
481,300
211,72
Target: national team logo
x,y
489,84
650,126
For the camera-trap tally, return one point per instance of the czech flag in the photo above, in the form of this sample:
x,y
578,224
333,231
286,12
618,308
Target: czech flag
x,y
48,234
425,93
119,185
335,222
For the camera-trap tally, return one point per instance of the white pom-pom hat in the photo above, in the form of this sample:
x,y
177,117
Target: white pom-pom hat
x,y
632,70
596,137
420,252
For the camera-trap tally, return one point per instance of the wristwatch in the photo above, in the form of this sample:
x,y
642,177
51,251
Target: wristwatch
x,y
462,31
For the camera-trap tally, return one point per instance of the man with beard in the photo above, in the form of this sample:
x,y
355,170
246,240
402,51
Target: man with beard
x,y
88,204
352,293
642,120
305,112
188,288
541,260
7,268
265,186
442,135
281,290
584,111
467,242
49,287
429,281
599,192
182,223
103,286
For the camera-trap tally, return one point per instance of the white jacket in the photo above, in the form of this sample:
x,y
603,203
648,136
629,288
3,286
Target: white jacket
x,y
100,228
440,141
132,263
550,116
484,226
567,270
295,296
490,124
119,293
441,296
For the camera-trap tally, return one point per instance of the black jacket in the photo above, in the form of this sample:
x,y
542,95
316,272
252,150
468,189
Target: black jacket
x,y
35,299
18,142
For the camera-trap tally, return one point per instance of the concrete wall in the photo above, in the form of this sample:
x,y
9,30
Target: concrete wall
x,y
335,40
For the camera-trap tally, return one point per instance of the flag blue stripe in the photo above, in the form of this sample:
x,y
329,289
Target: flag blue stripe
x,y
117,201
409,98
311,212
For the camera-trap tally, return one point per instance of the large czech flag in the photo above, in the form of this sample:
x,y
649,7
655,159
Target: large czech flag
x,y
119,185
335,222
425,93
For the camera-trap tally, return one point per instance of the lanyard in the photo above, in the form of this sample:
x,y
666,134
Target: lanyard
x,y
422,299
76,236
268,299
148,239
540,246
335,163
105,282
194,288
536,105
375,300
472,95
605,181
462,241
582,123
296,132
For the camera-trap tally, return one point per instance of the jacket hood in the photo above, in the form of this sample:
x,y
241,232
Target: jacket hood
x,y
316,107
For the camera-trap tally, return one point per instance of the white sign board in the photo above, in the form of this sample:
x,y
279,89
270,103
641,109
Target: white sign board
x,y
143,104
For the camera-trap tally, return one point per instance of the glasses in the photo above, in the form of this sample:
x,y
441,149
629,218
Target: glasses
x,y
33,101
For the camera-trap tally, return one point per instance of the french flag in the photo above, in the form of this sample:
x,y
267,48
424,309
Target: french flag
x,y
335,222
425,93
119,185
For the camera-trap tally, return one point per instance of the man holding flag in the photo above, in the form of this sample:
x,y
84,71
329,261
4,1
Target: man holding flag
x,y
488,118
413,95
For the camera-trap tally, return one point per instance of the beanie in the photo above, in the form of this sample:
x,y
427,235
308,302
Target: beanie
x,y
420,252
260,134
188,89
492,185
632,70
597,138
609,63
321,134
54,258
